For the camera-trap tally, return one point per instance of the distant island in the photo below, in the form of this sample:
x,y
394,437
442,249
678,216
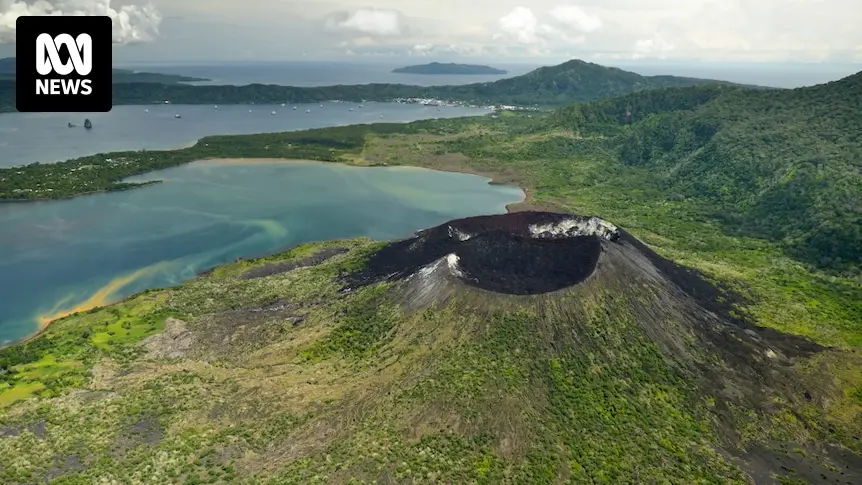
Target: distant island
x,y
450,68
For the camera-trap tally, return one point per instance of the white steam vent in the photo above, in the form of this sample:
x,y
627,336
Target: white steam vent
x,y
452,260
572,227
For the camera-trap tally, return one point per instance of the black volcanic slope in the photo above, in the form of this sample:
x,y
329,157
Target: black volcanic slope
x,y
500,253
516,254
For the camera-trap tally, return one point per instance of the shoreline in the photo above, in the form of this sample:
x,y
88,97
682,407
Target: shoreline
x,y
526,204
82,194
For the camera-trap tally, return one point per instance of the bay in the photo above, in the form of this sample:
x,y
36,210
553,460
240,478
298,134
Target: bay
x,y
70,255
45,137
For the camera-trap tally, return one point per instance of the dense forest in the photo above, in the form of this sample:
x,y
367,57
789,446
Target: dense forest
x,y
784,165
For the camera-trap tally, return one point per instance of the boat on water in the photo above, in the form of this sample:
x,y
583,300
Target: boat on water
x,y
71,125
272,112
294,108
177,116
282,105
308,111
88,124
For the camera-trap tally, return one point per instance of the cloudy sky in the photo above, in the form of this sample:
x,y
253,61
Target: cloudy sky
x,y
711,30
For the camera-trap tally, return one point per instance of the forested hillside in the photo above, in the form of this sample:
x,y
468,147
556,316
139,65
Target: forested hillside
x,y
782,165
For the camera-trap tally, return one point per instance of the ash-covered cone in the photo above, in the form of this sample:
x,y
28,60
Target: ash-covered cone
x,y
523,253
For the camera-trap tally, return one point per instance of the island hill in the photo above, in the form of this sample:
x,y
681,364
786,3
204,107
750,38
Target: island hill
x,y
546,87
448,68
703,328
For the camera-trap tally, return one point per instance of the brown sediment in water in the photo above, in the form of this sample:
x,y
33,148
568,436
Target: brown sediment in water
x,y
100,298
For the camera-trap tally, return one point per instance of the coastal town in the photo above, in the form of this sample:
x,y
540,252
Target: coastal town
x,y
464,104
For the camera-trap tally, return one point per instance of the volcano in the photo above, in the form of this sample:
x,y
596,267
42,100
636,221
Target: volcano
x,y
531,253
521,253
531,347
571,272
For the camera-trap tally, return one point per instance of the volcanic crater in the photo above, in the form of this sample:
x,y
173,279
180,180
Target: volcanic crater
x,y
522,253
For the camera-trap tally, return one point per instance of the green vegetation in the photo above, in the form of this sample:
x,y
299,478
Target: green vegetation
x,y
780,165
289,380
106,172
552,86
448,68
286,379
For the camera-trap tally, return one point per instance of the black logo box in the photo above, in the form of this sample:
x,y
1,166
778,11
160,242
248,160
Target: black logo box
x,y
28,28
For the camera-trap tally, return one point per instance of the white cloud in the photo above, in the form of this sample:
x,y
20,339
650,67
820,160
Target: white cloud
x,y
131,23
565,25
575,18
655,47
521,25
368,21
715,30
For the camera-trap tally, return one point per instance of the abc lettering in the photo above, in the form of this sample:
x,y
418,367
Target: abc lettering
x,y
48,61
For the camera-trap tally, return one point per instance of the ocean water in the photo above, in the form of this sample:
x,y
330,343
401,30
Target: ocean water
x,y
321,73
62,256
45,137
70,255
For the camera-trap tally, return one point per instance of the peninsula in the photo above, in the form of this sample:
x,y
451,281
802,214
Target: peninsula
x,y
448,68
548,87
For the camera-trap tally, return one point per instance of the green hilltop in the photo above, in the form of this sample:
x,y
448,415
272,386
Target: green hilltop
x,y
716,340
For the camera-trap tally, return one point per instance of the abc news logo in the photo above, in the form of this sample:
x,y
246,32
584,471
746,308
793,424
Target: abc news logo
x,y
48,62
71,68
